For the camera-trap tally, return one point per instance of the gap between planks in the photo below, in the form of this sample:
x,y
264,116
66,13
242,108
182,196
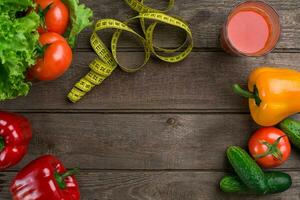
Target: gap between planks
x,y
133,111
164,170
195,49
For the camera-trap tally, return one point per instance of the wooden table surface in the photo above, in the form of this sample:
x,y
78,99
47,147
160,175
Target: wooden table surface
x,y
160,133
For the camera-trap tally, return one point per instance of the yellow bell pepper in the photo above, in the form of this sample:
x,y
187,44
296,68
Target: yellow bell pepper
x,y
274,94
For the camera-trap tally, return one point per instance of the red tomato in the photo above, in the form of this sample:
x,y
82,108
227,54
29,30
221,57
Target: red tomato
x,y
56,18
270,147
56,60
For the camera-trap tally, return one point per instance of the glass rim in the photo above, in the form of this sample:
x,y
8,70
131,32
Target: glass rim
x,y
225,32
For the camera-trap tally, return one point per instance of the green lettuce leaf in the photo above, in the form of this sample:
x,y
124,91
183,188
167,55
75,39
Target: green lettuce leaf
x,y
80,18
11,7
18,40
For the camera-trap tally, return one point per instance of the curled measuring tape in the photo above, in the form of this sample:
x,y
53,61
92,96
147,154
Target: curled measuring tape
x,y
107,61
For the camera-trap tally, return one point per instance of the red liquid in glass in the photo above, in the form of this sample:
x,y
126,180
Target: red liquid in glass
x,y
248,31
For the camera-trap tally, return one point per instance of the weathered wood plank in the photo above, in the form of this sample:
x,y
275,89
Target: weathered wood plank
x,y
206,18
142,185
203,81
141,141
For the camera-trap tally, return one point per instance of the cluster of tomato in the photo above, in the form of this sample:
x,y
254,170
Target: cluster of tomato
x,y
55,54
270,147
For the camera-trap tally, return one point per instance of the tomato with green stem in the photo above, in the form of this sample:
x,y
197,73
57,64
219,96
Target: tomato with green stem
x,y
270,147
56,58
54,16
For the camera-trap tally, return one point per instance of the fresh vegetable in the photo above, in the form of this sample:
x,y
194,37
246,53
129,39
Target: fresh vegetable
x,y
43,179
65,17
11,7
15,135
19,38
57,58
273,94
54,16
270,147
247,169
57,55
232,184
80,18
277,182
292,129
18,41
250,178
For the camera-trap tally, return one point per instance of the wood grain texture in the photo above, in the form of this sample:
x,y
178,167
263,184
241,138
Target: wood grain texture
x,y
160,133
141,141
201,82
205,17
161,185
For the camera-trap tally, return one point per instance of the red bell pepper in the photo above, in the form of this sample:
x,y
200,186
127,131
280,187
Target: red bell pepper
x,y
45,179
15,135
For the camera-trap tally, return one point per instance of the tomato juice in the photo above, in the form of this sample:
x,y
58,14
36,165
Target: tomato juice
x,y
252,29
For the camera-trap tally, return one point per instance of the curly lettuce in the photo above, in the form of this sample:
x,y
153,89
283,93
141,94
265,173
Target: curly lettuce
x,y
80,18
11,7
18,40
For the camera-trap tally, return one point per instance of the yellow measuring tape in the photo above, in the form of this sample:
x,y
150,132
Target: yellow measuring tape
x,y
107,61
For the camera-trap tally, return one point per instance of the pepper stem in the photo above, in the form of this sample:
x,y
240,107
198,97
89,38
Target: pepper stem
x,y
240,91
272,149
2,143
249,95
60,178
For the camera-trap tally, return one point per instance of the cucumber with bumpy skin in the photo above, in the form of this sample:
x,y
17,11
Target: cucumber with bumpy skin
x,y
291,128
247,170
277,182
232,184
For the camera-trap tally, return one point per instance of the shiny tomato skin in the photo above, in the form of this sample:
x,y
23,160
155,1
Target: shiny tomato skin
x,y
57,17
56,60
270,135
45,3
50,37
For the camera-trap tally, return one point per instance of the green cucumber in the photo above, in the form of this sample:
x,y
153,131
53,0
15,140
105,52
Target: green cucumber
x,y
232,184
277,182
247,170
291,128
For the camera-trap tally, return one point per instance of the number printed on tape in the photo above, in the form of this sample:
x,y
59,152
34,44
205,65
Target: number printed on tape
x,y
107,61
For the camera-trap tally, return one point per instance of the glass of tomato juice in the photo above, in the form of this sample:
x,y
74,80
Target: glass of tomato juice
x,y
251,29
